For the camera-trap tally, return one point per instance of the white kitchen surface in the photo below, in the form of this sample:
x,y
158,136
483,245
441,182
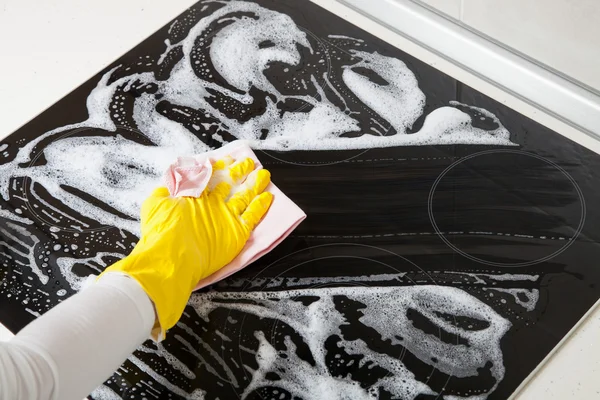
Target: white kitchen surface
x,y
562,34
50,47
452,8
5,334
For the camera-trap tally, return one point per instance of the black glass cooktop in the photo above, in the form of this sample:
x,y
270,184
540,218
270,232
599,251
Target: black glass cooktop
x,y
450,242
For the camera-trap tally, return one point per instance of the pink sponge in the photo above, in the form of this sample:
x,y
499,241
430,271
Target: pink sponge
x,y
188,176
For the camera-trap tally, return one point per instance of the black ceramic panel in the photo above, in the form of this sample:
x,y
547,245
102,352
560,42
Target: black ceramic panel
x,y
450,242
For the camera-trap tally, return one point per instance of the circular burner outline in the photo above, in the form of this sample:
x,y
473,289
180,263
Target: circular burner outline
x,y
499,264
27,182
355,245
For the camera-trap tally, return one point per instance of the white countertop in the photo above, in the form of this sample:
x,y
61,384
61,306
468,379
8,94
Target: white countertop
x,y
48,48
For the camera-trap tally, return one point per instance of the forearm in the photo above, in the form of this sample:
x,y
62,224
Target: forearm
x,y
74,347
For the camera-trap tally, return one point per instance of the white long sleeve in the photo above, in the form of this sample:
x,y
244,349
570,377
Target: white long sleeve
x,y
69,351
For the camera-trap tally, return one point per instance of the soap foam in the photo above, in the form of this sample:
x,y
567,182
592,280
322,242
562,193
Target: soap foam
x,y
65,265
279,282
103,392
400,101
121,173
24,249
386,311
194,395
344,38
6,214
532,296
235,51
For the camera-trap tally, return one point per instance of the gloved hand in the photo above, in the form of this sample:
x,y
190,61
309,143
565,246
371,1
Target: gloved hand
x,y
186,239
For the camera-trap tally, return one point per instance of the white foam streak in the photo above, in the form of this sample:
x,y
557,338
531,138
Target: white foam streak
x,y
28,251
105,393
230,375
345,38
173,361
495,277
532,296
195,395
512,277
10,216
279,282
65,264
300,378
394,382
386,311
445,125
400,101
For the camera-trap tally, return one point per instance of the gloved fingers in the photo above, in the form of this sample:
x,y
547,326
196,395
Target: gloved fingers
x,y
260,181
255,184
230,171
257,210
240,201
222,163
221,191
220,172
239,170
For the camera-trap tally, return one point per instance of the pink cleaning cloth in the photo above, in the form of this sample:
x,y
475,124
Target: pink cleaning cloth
x,y
188,176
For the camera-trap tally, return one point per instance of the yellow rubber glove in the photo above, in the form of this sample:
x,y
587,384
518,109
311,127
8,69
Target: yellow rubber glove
x,y
186,239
